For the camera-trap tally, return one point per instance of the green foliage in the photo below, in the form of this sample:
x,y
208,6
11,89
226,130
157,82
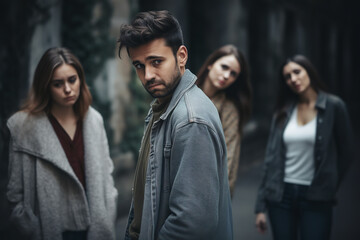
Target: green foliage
x,y
135,115
85,31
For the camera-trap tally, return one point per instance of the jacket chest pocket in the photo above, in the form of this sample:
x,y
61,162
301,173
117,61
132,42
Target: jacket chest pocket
x,y
167,151
166,168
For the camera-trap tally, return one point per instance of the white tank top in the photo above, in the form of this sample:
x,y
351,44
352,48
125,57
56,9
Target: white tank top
x,y
299,146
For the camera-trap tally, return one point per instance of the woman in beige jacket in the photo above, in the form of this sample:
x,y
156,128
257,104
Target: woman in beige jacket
x,y
224,78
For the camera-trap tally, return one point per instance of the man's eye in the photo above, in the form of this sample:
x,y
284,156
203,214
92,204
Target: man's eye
x,y
156,62
138,66
297,71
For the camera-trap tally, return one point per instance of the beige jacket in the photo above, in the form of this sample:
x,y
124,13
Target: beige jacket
x,y
230,121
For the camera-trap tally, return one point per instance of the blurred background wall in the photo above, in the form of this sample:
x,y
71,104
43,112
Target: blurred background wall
x,y
328,32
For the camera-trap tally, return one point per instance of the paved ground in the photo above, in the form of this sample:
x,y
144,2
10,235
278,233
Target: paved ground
x,y
243,205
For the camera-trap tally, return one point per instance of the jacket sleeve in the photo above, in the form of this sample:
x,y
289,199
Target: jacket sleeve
x,y
232,138
196,173
21,195
260,205
344,139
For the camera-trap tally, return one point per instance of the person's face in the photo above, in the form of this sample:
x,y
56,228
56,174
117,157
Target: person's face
x,y
296,77
65,86
224,71
157,67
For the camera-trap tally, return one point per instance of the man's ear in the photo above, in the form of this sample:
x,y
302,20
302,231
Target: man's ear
x,y
182,56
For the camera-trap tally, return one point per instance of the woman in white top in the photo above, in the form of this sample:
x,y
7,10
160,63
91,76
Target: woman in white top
x,y
308,151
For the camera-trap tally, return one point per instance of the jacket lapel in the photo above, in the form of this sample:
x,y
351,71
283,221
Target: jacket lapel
x,y
92,136
187,81
37,137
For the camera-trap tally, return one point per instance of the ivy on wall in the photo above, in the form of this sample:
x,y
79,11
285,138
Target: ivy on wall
x,y
135,115
85,30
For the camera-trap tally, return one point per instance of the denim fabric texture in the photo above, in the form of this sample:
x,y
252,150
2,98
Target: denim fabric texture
x,y
295,217
187,192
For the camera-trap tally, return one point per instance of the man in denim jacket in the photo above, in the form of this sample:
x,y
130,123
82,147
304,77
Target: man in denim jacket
x,y
181,186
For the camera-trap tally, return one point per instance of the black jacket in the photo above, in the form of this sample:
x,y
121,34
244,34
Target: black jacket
x,y
333,152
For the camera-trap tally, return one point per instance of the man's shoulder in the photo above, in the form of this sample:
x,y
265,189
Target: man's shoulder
x,y
195,106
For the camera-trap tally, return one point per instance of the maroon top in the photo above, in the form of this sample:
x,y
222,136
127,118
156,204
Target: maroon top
x,y
74,149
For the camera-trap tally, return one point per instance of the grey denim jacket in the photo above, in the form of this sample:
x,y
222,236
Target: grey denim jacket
x,y
186,192
333,153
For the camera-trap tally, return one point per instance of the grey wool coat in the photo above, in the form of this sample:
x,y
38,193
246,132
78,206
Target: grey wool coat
x,y
45,194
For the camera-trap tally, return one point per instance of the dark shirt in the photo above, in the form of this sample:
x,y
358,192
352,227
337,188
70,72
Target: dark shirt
x,y
74,149
141,167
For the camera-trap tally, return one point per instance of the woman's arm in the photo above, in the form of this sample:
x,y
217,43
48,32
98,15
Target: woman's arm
x,y
22,199
260,206
344,138
260,223
230,124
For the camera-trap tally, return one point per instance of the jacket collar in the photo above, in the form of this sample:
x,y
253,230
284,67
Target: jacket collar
x,y
37,137
186,82
321,100
320,104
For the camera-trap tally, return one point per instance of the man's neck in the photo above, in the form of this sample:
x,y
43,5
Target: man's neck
x,y
165,99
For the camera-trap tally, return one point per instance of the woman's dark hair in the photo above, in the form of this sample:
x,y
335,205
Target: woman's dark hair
x,y
148,26
285,94
39,98
240,92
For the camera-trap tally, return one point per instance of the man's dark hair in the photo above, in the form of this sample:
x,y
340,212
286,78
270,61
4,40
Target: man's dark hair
x,y
148,26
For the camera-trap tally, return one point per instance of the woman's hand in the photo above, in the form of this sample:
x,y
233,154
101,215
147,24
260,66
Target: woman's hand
x,y
261,222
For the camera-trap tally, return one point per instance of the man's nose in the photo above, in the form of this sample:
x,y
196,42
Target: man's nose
x,y
149,73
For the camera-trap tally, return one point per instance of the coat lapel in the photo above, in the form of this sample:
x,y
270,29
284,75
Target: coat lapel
x,y
35,135
95,150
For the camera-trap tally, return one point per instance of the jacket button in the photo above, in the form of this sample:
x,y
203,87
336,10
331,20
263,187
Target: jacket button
x,y
320,120
320,138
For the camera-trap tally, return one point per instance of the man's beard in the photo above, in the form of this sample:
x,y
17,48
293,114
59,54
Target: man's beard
x,y
169,88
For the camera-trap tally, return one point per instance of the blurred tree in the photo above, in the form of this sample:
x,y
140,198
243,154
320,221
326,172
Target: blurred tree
x,y
85,30
135,115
